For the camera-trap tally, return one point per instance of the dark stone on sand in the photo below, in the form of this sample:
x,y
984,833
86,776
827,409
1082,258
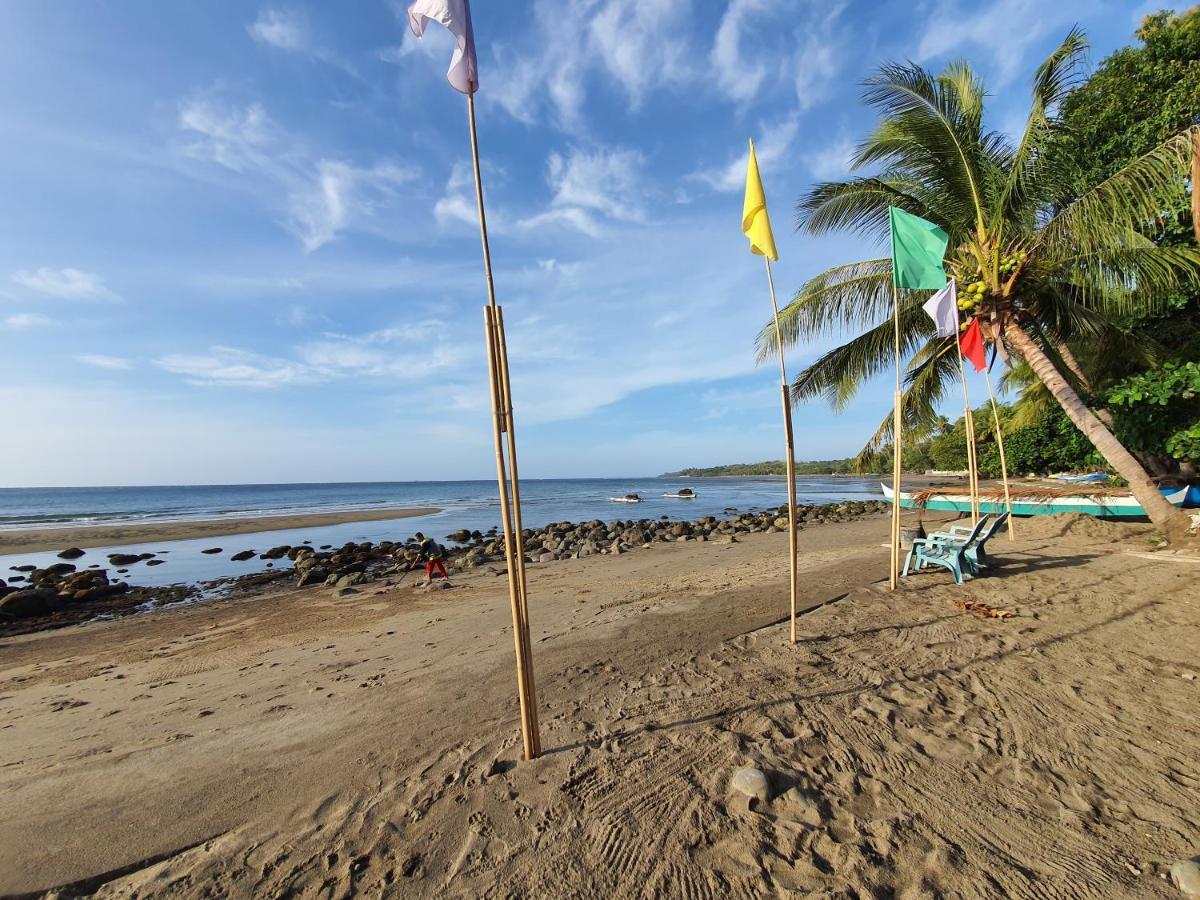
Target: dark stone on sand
x,y
30,602
211,550
71,553
243,555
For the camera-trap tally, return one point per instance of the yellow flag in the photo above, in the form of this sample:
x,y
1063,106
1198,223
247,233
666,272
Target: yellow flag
x,y
755,223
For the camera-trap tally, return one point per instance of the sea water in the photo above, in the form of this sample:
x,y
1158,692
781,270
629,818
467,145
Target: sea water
x,y
473,505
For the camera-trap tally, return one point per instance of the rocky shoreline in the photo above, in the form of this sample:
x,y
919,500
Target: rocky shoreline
x,y
61,594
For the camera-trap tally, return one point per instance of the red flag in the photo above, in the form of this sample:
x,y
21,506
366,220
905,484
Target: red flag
x,y
971,342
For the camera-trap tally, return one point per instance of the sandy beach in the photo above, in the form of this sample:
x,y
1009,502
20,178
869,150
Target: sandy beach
x,y
314,745
34,540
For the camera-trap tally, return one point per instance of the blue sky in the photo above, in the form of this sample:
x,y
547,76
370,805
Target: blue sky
x,y
238,240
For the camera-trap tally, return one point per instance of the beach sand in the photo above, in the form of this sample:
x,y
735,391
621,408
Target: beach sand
x,y
312,745
34,540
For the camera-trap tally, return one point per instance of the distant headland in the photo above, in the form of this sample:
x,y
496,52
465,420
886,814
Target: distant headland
x,y
771,467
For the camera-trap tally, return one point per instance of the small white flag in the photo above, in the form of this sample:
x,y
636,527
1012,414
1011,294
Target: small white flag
x,y
463,73
943,309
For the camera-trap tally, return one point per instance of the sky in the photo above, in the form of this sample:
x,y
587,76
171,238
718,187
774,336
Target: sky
x,y
238,240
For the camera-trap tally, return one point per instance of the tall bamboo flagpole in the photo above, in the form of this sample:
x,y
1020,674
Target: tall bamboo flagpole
x,y
987,374
897,440
918,263
793,549
969,425
463,75
756,225
510,510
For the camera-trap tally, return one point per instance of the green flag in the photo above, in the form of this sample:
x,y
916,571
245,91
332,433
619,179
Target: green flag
x,y
917,250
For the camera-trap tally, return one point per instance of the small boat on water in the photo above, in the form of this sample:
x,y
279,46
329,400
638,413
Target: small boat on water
x,y
628,498
1035,502
682,494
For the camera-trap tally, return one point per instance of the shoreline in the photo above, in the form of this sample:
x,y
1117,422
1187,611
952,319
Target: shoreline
x,y
54,538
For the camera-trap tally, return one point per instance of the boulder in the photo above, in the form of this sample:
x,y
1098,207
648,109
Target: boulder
x,y
276,552
315,575
125,559
30,602
243,555
70,553
211,550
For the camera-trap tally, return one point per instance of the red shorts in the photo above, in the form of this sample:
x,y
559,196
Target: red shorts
x,y
435,565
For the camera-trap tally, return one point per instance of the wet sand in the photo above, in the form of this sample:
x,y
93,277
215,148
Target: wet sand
x,y
34,540
311,744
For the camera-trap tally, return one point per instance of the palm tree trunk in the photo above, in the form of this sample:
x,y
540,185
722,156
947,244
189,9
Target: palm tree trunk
x,y
1169,520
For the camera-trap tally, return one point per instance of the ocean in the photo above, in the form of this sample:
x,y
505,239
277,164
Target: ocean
x,y
463,504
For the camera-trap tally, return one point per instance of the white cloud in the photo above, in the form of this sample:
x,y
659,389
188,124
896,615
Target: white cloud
x,y
770,149
65,284
285,29
100,361
831,162
818,57
339,195
20,321
1006,28
231,367
334,356
639,44
587,184
318,197
457,205
737,77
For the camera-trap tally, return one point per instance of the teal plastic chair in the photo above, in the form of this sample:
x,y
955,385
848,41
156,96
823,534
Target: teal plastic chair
x,y
947,554
973,542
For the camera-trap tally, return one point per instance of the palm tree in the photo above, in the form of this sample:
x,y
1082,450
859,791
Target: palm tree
x,y
1039,265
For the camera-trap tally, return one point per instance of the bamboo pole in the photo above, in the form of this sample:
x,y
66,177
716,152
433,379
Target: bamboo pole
x,y
793,543
502,423
987,374
969,425
518,529
897,448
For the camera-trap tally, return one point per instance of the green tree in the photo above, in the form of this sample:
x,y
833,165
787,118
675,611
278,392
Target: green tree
x,y
1039,263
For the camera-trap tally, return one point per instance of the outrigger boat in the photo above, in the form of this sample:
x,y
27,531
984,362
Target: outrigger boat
x,y
628,498
1034,502
682,494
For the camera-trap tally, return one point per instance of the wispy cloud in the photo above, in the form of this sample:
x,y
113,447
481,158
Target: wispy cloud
x,y
771,148
832,161
21,321
65,284
100,361
285,29
604,182
641,45
738,78
290,30
1005,28
408,352
320,196
819,56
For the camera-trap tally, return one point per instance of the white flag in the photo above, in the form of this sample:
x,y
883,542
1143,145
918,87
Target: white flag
x,y
463,73
943,309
